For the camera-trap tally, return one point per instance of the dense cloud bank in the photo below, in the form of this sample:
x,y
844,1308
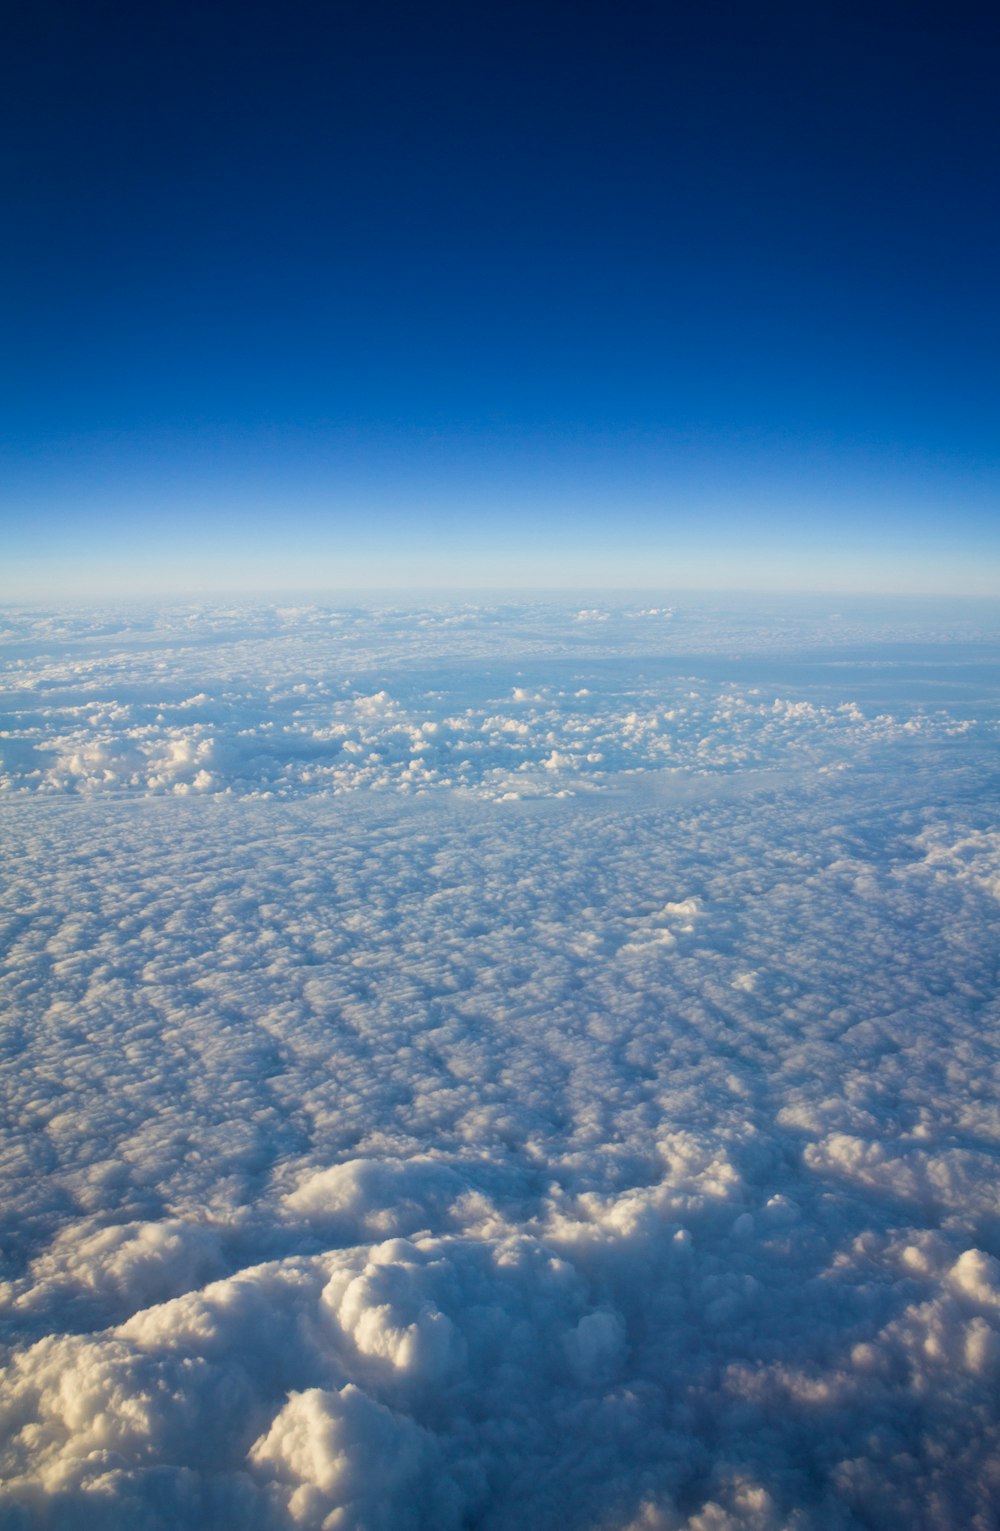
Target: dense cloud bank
x,y
618,1161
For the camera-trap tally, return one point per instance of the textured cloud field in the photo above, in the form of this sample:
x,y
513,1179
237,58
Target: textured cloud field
x,y
500,1068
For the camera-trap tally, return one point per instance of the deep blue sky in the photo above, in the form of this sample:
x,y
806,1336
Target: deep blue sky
x,y
500,293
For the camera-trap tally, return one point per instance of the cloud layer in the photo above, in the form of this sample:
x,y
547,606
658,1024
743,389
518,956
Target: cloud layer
x,y
489,701
623,1160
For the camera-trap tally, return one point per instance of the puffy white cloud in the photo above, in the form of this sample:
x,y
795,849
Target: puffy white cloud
x,y
348,1462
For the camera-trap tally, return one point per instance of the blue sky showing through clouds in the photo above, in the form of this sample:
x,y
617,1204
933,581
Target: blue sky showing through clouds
x,y
552,293
499,707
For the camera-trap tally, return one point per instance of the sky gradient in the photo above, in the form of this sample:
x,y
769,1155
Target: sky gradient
x,y
368,295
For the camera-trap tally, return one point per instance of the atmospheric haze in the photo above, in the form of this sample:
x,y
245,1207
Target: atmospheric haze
x,y
501,1066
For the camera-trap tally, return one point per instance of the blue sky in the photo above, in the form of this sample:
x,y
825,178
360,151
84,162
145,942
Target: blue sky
x,y
539,296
